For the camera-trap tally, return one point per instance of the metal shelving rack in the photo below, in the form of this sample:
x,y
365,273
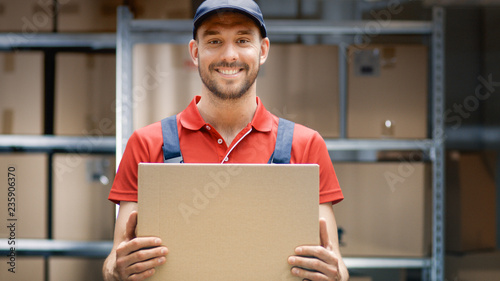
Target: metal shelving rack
x,y
132,31
51,144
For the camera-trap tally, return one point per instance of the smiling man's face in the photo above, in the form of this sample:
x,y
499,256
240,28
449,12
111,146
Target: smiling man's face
x,y
228,52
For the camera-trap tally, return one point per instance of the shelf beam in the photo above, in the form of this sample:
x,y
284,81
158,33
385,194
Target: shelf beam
x,y
47,247
101,249
85,144
372,144
58,40
366,263
298,27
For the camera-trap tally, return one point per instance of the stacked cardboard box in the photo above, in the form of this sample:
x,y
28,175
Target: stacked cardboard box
x,y
162,9
387,91
386,210
81,210
26,17
30,211
473,266
300,83
21,88
27,268
85,94
165,82
470,202
87,16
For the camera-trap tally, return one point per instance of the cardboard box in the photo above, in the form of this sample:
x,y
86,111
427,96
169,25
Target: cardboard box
x,y
85,94
473,267
75,269
162,9
27,17
470,201
165,81
88,16
387,92
27,268
300,83
386,210
21,103
30,194
228,222
81,188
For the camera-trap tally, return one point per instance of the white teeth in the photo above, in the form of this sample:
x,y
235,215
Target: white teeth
x,y
228,72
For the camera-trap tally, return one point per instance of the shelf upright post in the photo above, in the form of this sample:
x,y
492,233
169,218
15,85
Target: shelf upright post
x,y
124,125
124,98
438,150
343,60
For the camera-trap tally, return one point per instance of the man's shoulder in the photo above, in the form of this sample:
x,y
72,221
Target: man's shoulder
x,y
304,132
151,132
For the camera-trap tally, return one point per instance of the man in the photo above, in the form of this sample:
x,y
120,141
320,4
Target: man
x,y
227,123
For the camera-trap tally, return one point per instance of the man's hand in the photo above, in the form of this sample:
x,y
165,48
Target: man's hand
x,y
136,258
317,263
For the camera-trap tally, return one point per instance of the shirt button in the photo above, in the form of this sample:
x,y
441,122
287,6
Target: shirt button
x,y
220,141
208,127
226,159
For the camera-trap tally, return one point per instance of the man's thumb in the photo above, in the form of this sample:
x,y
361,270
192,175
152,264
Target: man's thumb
x,y
131,225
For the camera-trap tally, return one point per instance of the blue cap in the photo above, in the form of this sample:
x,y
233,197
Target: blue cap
x,y
247,7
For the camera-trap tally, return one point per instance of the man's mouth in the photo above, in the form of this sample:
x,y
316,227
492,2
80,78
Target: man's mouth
x,y
229,68
229,71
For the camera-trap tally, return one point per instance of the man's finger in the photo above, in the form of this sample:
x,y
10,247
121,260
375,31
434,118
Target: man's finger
x,y
131,225
323,233
145,261
127,248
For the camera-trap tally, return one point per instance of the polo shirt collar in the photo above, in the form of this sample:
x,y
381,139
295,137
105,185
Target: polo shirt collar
x,y
263,119
191,118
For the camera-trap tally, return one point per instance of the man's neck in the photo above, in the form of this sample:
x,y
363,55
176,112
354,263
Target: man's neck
x,y
228,117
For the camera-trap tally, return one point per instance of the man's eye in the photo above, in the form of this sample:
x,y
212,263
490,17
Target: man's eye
x,y
241,41
214,42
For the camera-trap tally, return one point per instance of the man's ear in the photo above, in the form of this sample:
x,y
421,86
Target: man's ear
x,y
265,45
193,51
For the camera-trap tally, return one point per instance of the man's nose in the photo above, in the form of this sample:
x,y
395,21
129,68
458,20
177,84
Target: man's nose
x,y
229,52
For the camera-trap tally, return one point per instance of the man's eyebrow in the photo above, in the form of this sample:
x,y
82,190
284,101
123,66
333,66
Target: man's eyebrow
x,y
211,32
246,31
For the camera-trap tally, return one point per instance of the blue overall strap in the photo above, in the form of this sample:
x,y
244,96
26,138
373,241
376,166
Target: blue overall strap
x,y
283,147
171,147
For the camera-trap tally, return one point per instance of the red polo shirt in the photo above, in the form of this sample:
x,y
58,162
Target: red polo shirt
x,y
201,143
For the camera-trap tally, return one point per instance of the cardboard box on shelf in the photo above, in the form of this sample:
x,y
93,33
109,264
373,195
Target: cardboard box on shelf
x,y
26,17
211,213
387,92
386,210
87,16
473,266
470,201
165,81
26,268
81,187
85,94
300,83
30,183
21,87
162,9
75,269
